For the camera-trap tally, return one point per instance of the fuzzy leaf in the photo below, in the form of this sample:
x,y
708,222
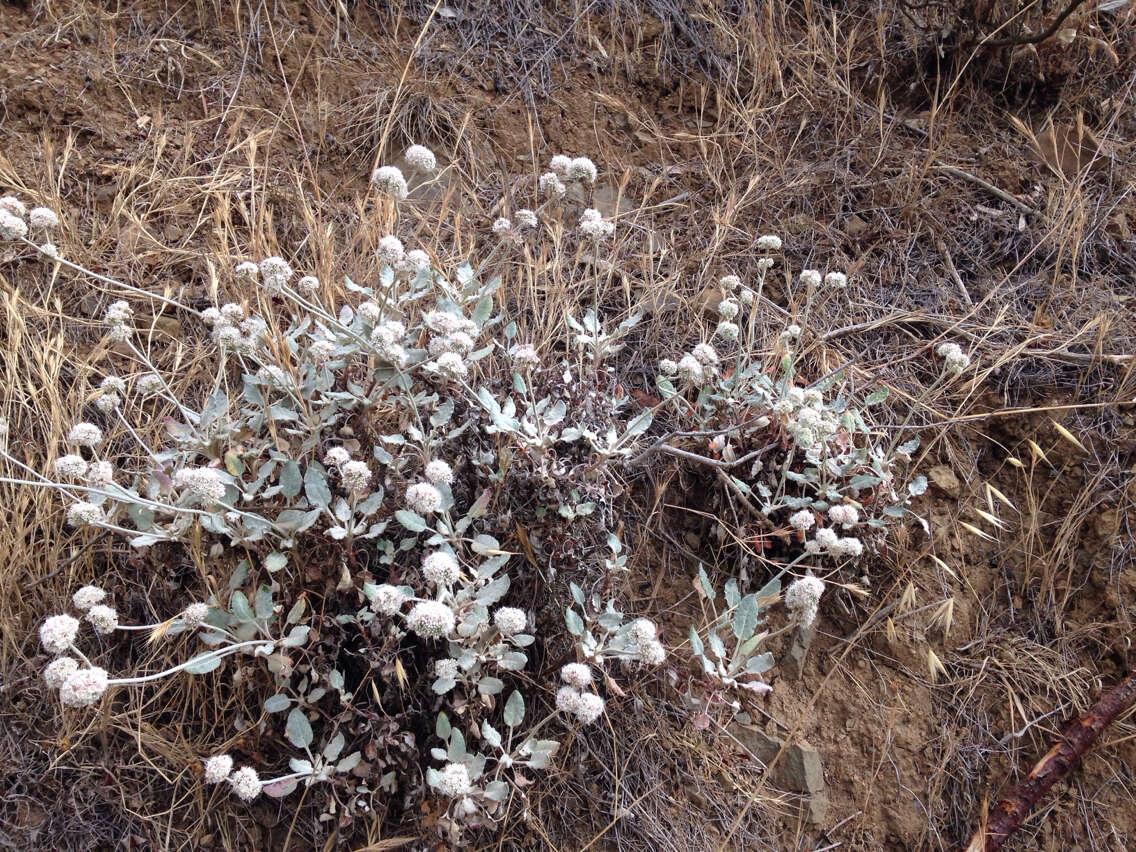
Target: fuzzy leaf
x,y
277,703
275,561
514,710
745,617
573,622
315,487
203,663
298,729
290,479
411,520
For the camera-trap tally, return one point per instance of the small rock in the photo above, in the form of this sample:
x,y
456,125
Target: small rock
x,y
800,769
944,479
816,808
793,663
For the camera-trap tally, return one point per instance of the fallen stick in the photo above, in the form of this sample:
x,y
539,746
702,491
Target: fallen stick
x,y
1008,816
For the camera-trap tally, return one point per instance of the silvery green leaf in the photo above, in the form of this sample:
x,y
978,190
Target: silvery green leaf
x,y
296,637
337,533
297,764
275,561
573,622
348,763
483,544
555,413
908,447
262,603
496,791
745,617
333,749
522,640
146,540
863,480
639,424
666,388
277,703
280,789
716,646
696,645
490,685
315,487
760,664
513,661
411,520
514,712
442,726
917,486
443,685
239,606
296,521
341,510
203,663
571,434
541,752
298,729
494,591
732,593
770,590
610,620
490,734
456,751
519,383
877,396
483,311
577,594
704,582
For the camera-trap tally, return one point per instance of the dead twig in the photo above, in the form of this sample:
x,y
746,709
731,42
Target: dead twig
x,y
1079,736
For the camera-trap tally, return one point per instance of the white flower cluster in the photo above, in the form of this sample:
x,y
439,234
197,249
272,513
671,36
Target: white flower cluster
x,y
356,475
71,466
509,620
244,782
275,273
696,367
422,159
593,225
827,541
524,356
232,330
120,319
85,435
644,642
386,336
194,615
453,780
955,360
424,498
12,213
387,599
802,599
83,514
202,483
440,568
390,180
805,418
574,698
565,169
431,619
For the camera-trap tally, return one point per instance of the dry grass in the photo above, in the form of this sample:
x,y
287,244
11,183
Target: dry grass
x,y
178,140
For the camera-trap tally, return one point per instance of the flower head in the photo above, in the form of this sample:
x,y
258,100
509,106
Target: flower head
x,y
50,251
581,168
560,164
524,356
87,597
337,456
103,618
246,270
431,619
438,471
550,184
356,476
689,369
81,514
108,402
728,308
502,226
203,483
245,783
424,498
451,366
12,227
275,272
453,780
217,768
83,687
85,434
13,206
525,218
668,367
810,277
769,242
842,513
802,598
956,360
194,615
308,284
705,354
730,283
321,351
440,568
585,706
728,330
387,599
57,633
71,466
593,224
848,547
58,670
802,520
390,250
836,280
391,181
577,675
42,219
420,158
510,620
